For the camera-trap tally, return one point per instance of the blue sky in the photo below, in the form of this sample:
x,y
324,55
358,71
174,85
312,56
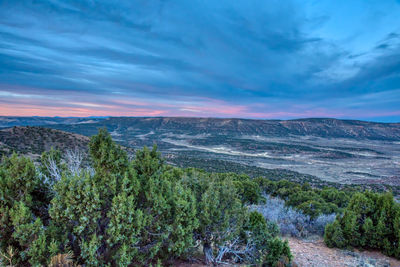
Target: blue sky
x,y
236,58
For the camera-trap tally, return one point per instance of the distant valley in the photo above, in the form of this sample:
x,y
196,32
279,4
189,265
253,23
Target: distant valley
x,y
341,151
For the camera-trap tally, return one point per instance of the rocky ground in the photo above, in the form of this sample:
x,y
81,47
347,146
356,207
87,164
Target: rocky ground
x,y
315,253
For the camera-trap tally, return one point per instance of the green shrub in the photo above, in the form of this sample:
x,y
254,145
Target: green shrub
x,y
333,236
226,227
268,248
310,201
121,212
127,211
24,198
371,220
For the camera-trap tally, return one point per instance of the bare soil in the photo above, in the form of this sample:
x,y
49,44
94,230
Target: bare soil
x,y
315,253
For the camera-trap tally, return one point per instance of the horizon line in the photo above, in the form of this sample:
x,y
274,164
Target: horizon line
x,y
195,117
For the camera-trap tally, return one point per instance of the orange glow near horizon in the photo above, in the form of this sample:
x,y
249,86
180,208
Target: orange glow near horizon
x,y
31,110
23,110
142,108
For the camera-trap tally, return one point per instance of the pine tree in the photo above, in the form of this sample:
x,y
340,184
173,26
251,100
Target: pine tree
x,y
367,239
23,208
371,220
268,248
396,231
350,228
126,212
117,212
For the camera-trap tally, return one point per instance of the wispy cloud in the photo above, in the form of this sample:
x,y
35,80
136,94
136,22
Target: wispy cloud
x,y
201,58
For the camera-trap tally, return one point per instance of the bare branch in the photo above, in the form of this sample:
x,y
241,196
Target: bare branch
x,y
74,159
53,169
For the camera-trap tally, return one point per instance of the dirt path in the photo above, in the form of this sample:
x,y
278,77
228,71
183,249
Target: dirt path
x,y
316,254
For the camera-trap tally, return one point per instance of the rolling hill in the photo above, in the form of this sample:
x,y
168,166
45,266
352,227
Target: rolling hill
x,y
33,141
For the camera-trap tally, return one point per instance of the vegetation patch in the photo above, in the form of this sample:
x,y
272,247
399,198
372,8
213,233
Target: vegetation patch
x,y
122,212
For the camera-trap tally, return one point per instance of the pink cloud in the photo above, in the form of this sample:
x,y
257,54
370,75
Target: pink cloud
x,y
26,101
37,110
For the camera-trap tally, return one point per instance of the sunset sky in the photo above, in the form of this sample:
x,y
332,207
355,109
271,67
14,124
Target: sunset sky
x,y
226,58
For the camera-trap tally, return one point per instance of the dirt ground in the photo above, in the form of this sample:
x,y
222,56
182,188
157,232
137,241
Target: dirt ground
x,y
315,253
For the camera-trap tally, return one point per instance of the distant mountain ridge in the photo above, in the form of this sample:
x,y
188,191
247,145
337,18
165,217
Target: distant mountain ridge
x,y
331,128
10,121
320,127
343,151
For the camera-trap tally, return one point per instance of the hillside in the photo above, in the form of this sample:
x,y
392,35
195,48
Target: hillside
x,y
35,140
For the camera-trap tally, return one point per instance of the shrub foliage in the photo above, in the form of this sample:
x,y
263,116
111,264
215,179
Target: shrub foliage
x,y
122,212
310,201
292,221
371,220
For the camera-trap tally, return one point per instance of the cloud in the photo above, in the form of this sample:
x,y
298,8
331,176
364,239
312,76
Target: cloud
x,y
253,58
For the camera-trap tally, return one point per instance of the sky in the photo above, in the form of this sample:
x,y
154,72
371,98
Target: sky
x,y
262,59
